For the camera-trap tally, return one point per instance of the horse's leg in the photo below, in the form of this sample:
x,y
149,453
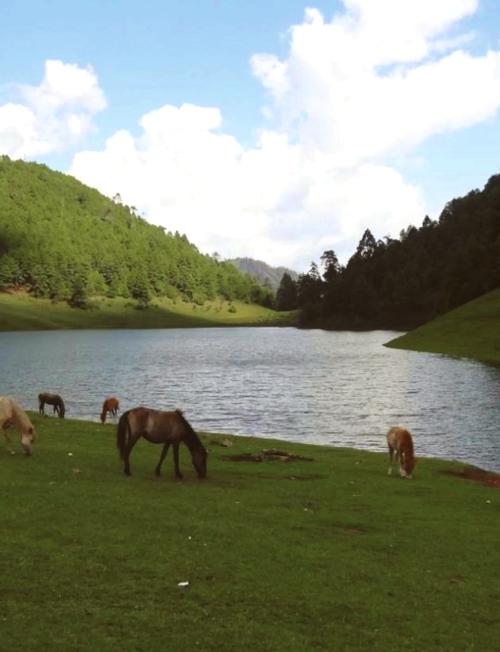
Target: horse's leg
x,y
391,453
41,407
8,441
162,457
178,473
131,443
402,471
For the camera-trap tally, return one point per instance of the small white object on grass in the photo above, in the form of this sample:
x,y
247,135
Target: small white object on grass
x,y
183,584
70,454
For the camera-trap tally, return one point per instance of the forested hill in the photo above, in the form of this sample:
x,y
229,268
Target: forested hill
x,y
64,240
265,274
402,283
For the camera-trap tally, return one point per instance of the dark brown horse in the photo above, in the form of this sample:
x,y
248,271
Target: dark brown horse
x,y
51,399
160,427
111,405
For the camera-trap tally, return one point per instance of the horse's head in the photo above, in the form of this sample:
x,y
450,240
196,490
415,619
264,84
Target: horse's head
x,y
199,457
27,438
409,465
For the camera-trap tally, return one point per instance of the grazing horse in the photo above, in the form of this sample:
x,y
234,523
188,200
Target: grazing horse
x,y
52,399
111,405
160,427
12,414
400,442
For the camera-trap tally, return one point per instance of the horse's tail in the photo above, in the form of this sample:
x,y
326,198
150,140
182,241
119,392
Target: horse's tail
x,y
123,434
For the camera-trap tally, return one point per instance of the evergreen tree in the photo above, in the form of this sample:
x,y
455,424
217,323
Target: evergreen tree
x,y
286,296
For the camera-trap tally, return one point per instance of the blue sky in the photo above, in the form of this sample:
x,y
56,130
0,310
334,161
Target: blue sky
x,y
302,153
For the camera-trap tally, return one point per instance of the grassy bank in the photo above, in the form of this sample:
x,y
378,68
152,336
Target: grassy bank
x,y
328,554
23,312
471,331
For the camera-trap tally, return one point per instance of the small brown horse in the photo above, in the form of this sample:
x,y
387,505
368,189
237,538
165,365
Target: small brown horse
x,y
12,414
160,427
400,446
111,405
52,399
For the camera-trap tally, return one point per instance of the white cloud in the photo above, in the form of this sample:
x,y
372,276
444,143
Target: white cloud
x,y
374,82
53,115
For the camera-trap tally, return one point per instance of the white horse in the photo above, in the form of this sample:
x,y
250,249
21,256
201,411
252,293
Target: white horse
x,y
12,414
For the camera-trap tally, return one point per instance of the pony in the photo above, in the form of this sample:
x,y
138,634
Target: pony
x,y
400,442
12,414
160,427
51,399
111,405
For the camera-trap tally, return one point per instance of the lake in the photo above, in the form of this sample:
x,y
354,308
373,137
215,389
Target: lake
x,y
334,388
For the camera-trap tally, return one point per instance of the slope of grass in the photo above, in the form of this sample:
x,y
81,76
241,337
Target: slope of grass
x,y
328,554
23,312
470,331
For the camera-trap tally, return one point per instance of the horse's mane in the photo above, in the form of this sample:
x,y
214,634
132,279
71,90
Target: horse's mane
x,y
192,438
409,446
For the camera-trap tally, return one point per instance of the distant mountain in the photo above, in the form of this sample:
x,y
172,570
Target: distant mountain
x,y
264,273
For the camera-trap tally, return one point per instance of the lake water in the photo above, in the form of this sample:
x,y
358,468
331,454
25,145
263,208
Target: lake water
x,y
338,388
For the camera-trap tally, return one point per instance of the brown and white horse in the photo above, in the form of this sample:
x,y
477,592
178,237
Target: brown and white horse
x,y
400,445
111,405
12,414
160,427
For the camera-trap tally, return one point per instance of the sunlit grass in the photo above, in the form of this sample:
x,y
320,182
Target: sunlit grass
x,y
328,554
470,331
23,312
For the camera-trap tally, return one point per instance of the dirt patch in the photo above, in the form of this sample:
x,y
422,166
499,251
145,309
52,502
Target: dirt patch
x,y
267,455
225,443
478,475
309,476
350,529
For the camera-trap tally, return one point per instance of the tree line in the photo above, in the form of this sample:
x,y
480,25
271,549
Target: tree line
x,y
63,240
401,283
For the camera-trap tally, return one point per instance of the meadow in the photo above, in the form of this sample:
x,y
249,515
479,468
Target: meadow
x,y
21,311
470,331
326,553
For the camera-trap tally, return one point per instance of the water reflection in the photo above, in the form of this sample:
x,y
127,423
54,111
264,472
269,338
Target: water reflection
x,y
338,388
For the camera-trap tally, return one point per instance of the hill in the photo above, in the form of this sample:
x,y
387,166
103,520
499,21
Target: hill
x,y
470,331
60,239
403,283
265,274
302,555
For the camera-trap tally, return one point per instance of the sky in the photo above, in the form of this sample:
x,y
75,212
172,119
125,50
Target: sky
x,y
273,129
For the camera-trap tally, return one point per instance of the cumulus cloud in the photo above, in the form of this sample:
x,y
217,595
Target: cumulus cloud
x,y
375,81
53,115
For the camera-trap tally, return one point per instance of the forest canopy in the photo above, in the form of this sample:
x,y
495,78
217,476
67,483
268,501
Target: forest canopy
x,y
406,281
63,240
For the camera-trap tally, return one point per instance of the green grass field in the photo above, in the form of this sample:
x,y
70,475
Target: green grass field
x,y
470,331
328,554
23,312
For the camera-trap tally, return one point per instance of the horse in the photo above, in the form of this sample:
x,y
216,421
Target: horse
x,y
400,442
111,405
12,414
160,427
52,399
